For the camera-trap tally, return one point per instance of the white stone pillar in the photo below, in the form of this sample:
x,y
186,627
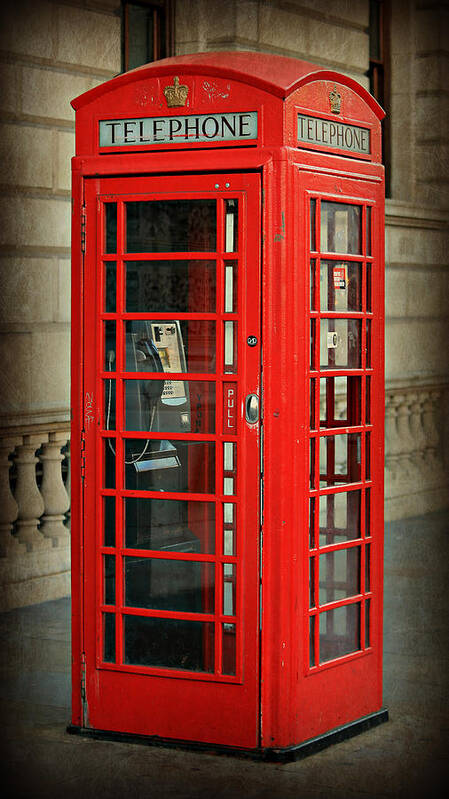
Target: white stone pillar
x,y
9,545
56,500
27,494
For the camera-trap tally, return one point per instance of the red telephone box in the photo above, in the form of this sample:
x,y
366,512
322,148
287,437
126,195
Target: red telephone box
x,y
228,398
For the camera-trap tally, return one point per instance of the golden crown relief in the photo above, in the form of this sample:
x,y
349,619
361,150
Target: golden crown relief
x,y
176,94
335,100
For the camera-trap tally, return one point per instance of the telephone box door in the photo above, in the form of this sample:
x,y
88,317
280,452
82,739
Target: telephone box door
x,y
171,486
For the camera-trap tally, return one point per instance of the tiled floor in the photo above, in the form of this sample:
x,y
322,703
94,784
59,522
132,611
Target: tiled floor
x,y
404,759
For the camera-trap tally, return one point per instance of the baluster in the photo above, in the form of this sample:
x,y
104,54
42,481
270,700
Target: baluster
x,y
392,443
27,494
9,545
406,442
56,500
431,433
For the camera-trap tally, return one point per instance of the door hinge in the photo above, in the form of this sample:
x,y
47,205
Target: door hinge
x,y
83,455
83,689
83,229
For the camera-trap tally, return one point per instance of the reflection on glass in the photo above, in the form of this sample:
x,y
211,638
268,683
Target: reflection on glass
x,y
170,346
340,458
110,287
171,226
368,568
368,456
368,288
312,463
109,579
312,344
368,400
340,517
339,574
169,525
169,643
340,286
231,225
170,286
109,463
109,404
109,637
339,632
368,344
229,589
230,293
110,228
228,456
228,486
340,401
368,512
162,465
312,404
173,406
229,649
176,585
340,343
110,363
341,228
109,521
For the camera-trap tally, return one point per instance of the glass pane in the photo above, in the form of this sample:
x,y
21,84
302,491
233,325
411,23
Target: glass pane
x,y
312,404
177,585
340,401
171,226
109,404
368,400
231,225
312,582
171,407
368,344
312,224
312,641
313,344
340,459
339,632
109,637
109,579
109,346
109,463
368,568
341,228
140,35
110,288
339,574
368,230
171,525
230,293
313,290
340,344
367,623
109,521
340,517
169,643
170,286
230,347
368,288
170,465
368,456
110,228
172,346
368,512
340,286
229,649
312,523
229,589
312,463
229,529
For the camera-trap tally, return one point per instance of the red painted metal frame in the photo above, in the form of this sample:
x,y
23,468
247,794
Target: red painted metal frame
x,y
296,701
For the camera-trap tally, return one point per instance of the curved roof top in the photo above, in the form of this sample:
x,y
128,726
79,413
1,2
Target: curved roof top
x,y
275,74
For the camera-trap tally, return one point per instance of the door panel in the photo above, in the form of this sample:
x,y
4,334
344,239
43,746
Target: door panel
x,y
171,488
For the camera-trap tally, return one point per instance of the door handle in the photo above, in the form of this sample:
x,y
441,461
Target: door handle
x,y
252,408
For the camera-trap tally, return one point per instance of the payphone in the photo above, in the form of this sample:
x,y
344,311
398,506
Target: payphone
x,y
227,395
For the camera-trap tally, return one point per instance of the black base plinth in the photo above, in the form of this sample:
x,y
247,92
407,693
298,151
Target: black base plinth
x,y
284,755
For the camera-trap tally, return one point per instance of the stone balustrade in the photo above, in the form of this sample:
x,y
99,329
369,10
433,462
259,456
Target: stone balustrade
x,y
35,490
34,515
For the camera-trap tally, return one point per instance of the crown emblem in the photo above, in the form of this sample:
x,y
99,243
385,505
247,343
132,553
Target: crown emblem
x,y
176,95
335,100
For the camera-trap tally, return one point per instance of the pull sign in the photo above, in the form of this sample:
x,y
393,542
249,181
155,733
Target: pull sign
x,y
230,408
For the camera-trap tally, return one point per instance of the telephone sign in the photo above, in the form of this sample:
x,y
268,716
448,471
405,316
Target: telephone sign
x,y
227,552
